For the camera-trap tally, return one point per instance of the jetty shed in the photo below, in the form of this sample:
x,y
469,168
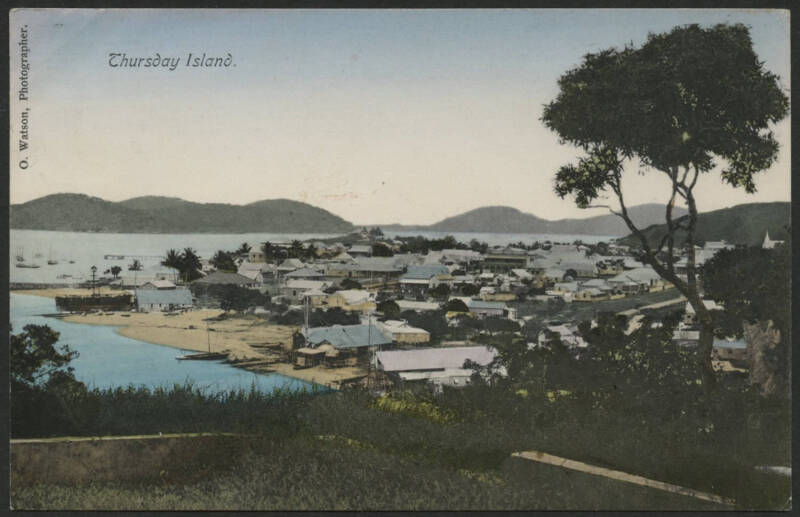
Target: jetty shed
x,y
163,299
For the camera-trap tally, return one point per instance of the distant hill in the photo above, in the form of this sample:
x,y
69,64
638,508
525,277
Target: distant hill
x,y
503,219
154,214
740,224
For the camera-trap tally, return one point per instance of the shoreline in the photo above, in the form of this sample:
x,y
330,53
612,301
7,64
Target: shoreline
x,y
189,331
234,334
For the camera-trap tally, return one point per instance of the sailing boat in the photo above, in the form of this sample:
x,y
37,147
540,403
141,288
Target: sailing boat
x,y
22,263
19,256
50,260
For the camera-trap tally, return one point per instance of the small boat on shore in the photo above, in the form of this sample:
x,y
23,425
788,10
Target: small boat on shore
x,y
204,356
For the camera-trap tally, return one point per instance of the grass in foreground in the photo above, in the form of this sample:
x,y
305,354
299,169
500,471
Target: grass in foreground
x,y
305,473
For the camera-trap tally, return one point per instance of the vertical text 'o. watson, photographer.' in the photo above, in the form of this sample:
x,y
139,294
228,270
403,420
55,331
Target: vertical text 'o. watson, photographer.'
x,y
23,95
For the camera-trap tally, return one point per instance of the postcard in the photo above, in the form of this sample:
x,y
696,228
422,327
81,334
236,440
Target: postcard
x,y
402,259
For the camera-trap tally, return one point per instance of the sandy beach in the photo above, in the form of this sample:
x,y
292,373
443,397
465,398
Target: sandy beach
x,y
190,331
187,331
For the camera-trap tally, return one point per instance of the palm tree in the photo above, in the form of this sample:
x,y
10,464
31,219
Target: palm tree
x,y
296,249
223,261
190,263
173,260
311,251
244,249
269,250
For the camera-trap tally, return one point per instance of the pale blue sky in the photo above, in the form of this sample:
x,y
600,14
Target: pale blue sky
x,y
389,116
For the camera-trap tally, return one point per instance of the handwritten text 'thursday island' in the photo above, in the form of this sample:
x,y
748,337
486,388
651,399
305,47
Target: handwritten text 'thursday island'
x,y
191,60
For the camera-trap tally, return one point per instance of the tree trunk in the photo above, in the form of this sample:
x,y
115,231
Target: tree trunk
x,y
706,341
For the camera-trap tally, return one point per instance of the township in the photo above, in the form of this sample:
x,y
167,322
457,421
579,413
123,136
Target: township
x,y
382,313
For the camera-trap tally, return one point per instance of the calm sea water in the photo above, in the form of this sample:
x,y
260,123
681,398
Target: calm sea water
x,y
108,359
88,249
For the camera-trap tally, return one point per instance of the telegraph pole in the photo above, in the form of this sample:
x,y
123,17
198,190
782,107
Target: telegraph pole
x,y
94,284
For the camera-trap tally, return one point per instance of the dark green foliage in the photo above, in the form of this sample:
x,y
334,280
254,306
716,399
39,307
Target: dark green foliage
x,y
296,249
422,245
675,105
180,408
455,305
753,284
223,261
270,251
476,245
34,358
319,317
432,321
332,316
381,250
470,289
349,283
389,308
186,262
41,379
236,298
494,324
440,292
662,103
244,249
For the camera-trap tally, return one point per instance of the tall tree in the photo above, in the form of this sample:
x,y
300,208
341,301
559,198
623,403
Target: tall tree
x,y
754,287
269,251
296,249
675,104
223,261
172,259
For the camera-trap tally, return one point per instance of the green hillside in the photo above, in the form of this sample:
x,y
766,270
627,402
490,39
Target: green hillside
x,y
153,214
740,224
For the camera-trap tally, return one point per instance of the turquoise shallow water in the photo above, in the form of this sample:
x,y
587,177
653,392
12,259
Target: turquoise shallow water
x,y
109,360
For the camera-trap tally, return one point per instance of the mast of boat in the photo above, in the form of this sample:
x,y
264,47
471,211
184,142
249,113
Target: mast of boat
x,y
208,337
305,317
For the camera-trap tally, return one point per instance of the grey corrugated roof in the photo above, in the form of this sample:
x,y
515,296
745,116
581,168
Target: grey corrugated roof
x,y
348,336
425,271
178,296
223,278
480,304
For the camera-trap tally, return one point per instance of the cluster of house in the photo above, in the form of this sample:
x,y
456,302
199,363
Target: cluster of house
x,y
352,279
